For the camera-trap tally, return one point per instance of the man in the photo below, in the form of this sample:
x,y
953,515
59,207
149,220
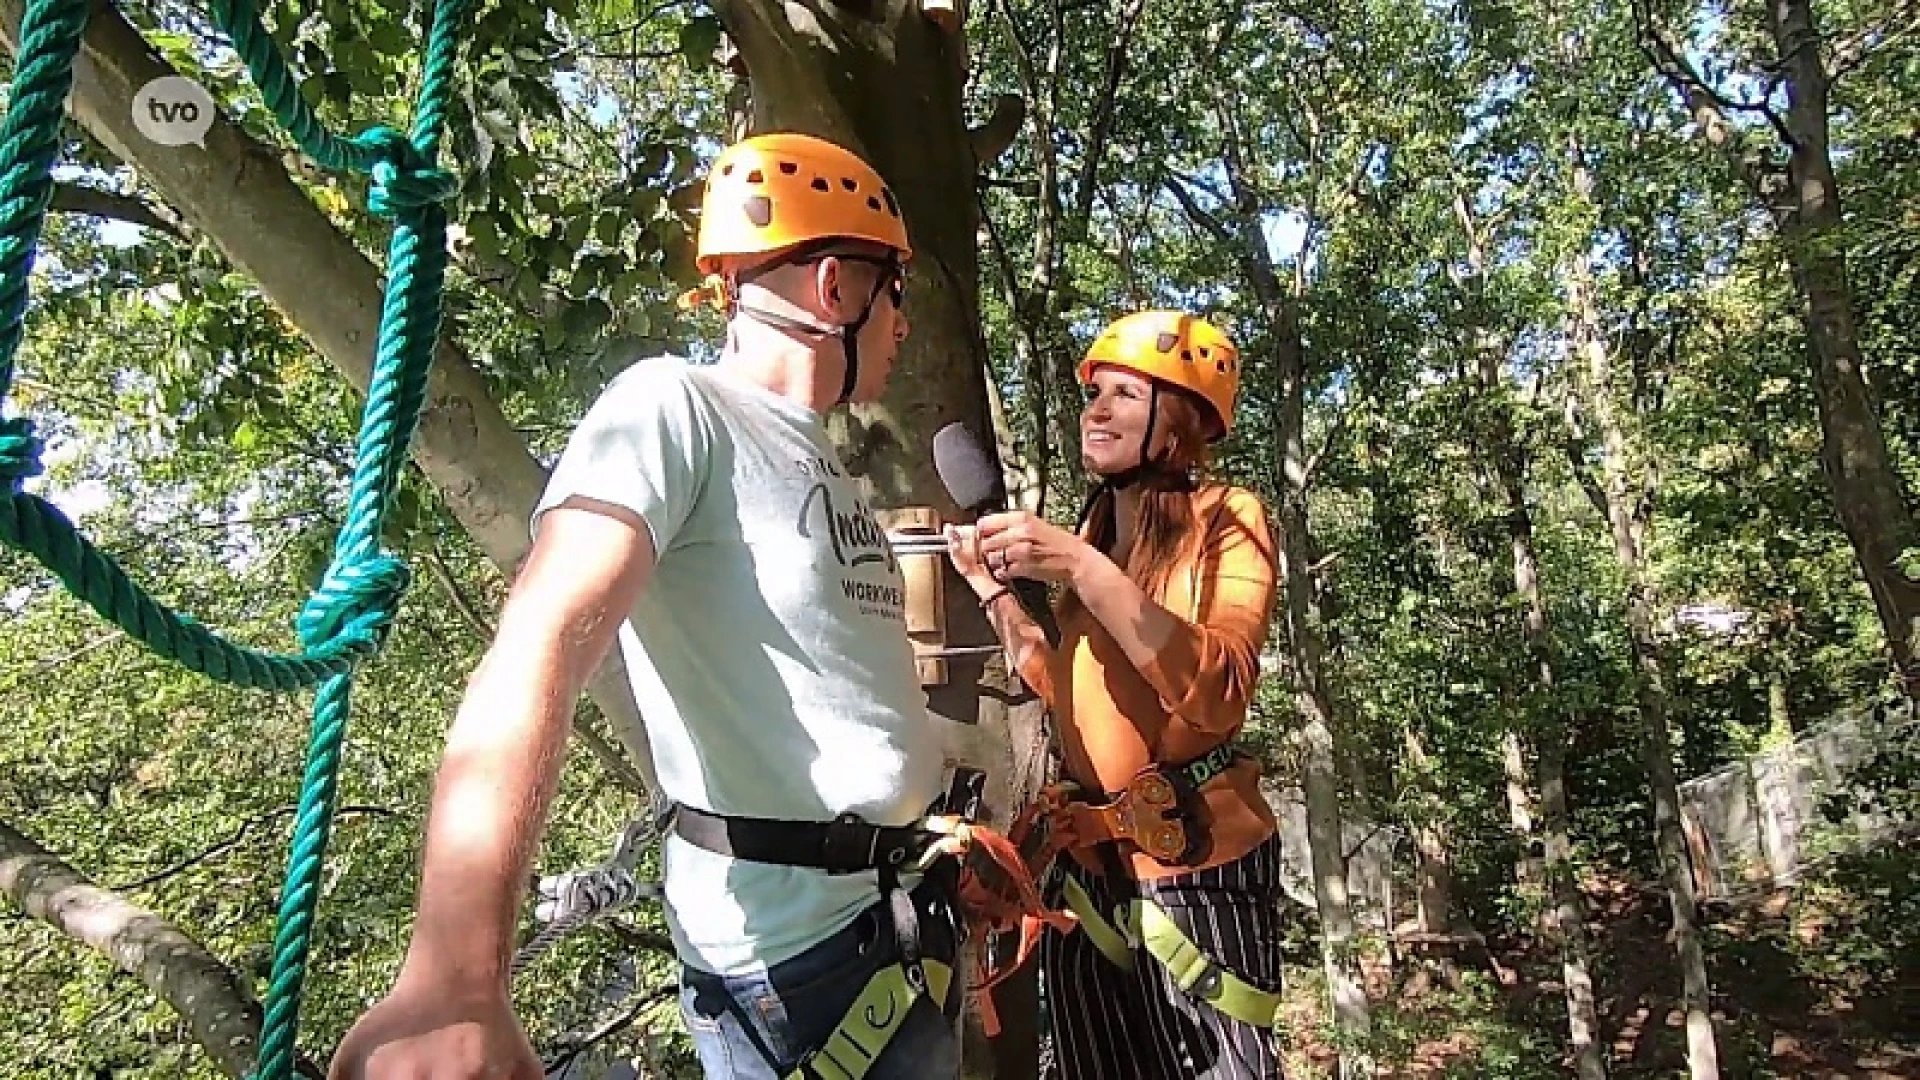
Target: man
x,y
701,517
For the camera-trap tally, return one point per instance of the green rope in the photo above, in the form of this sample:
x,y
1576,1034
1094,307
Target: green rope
x,y
346,618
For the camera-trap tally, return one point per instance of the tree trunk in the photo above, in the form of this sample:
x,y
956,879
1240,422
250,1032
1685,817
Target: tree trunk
x,y
1564,912
1866,487
1433,879
885,81
1320,777
238,194
212,1000
1628,518
1433,861
1521,810
1868,496
1568,924
1779,711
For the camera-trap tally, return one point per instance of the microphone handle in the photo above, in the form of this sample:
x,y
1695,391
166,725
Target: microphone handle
x,y
1033,598
1032,594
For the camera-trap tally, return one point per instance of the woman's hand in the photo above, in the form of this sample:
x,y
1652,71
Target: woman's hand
x,y
963,548
1019,544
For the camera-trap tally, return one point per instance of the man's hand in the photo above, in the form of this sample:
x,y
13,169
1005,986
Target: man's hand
x,y
427,1034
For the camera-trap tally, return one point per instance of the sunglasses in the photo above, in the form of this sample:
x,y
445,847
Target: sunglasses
x,y
893,275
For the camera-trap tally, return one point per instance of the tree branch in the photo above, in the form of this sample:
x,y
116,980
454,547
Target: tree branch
x,y
995,134
1334,432
93,202
635,938
577,1044
240,834
1708,109
206,993
1197,213
1103,116
1851,51
1576,451
238,194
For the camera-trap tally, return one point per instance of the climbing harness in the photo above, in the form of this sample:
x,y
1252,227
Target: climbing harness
x,y
849,845
994,880
1140,922
1154,813
348,615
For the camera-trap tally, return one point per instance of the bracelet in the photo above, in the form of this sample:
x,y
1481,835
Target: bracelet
x,y
987,600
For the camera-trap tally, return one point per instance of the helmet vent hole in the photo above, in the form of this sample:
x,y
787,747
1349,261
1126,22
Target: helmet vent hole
x,y
1166,342
727,169
759,210
820,184
873,204
850,183
1187,355
892,207
788,168
756,177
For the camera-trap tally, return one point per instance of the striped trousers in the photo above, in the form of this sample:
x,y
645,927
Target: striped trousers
x,y
1112,1024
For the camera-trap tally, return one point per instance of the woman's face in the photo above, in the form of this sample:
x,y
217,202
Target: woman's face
x,y
1114,422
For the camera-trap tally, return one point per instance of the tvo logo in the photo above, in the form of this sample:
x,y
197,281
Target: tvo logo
x,y
174,111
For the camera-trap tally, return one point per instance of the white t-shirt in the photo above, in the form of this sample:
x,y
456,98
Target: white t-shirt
x,y
768,653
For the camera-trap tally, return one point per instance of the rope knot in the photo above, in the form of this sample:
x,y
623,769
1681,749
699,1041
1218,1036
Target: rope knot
x,y
403,177
354,604
19,453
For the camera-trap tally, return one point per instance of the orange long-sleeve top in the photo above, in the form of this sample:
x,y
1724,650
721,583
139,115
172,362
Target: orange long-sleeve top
x,y
1113,718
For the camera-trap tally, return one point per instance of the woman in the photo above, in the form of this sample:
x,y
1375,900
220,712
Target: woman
x,y
1169,587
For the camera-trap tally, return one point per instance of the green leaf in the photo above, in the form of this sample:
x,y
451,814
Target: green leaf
x,y
576,232
607,228
485,234
586,318
390,39
699,38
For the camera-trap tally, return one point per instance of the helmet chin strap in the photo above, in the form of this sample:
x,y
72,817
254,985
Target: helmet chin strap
x,y
849,334
1132,474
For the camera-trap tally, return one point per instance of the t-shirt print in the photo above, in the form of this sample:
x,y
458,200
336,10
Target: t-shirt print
x,y
870,575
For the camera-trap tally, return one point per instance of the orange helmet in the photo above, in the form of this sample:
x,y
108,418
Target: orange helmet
x,y
771,192
1175,348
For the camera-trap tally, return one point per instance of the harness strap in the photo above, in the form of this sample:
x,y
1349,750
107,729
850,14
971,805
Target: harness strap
x,y
845,845
1202,770
1142,922
875,1017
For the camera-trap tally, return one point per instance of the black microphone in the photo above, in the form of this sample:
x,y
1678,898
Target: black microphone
x,y
972,479
974,482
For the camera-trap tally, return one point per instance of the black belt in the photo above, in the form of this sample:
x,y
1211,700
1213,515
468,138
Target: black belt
x,y
845,845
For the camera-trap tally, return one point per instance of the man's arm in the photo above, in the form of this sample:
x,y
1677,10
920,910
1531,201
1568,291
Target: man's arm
x,y
589,563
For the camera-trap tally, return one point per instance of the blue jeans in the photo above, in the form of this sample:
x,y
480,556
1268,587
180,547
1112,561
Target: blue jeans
x,y
758,1026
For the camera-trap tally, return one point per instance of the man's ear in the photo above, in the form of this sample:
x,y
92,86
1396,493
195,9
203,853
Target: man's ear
x,y
827,283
